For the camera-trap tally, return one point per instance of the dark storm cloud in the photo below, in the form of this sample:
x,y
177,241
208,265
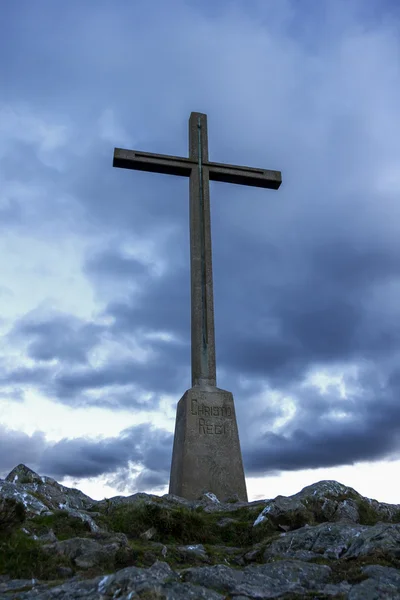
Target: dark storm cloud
x,y
160,301
24,375
150,376
111,265
319,297
57,337
17,447
118,386
163,305
141,447
367,429
278,315
88,458
157,306
152,479
156,449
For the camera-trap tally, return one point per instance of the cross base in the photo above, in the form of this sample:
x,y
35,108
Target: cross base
x,y
206,455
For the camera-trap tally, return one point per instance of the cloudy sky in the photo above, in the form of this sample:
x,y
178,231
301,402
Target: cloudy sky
x,y
94,261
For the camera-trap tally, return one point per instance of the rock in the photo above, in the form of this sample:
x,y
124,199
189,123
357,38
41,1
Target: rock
x,y
334,541
147,535
232,499
48,537
43,495
193,554
302,508
347,510
83,552
255,553
382,537
282,508
87,553
325,541
209,497
263,581
65,572
382,583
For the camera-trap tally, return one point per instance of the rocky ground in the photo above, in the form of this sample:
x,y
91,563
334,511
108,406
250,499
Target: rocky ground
x,y
327,541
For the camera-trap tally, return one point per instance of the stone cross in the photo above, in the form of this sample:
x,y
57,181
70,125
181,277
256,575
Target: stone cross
x,y
192,445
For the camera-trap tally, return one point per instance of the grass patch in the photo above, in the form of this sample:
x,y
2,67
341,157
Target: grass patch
x,y
144,555
64,525
342,497
12,515
314,513
342,569
24,479
181,525
349,569
218,556
396,517
367,514
172,525
296,519
22,558
137,555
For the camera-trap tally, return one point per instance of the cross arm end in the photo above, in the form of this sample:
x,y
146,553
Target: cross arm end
x,y
246,176
153,163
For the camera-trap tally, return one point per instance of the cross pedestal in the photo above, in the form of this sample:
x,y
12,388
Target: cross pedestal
x,y
206,456
206,453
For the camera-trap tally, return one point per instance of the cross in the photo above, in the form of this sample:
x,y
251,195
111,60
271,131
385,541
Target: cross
x,y
200,172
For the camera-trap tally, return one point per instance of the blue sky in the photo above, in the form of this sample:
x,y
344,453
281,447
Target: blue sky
x,y
94,261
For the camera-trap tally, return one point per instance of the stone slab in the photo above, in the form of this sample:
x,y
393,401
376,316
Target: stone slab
x,y
206,454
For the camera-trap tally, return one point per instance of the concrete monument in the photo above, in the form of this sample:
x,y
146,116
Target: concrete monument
x,y
206,453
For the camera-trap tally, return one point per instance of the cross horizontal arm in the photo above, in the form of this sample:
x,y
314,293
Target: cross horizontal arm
x,y
245,176
175,165
153,163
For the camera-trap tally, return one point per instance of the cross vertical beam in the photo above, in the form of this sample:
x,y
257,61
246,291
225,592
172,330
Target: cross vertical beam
x,y
202,296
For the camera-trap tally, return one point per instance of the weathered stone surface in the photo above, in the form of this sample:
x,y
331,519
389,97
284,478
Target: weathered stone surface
x,y
43,495
329,540
206,454
87,553
383,583
340,553
54,495
49,537
261,581
193,553
149,533
384,537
